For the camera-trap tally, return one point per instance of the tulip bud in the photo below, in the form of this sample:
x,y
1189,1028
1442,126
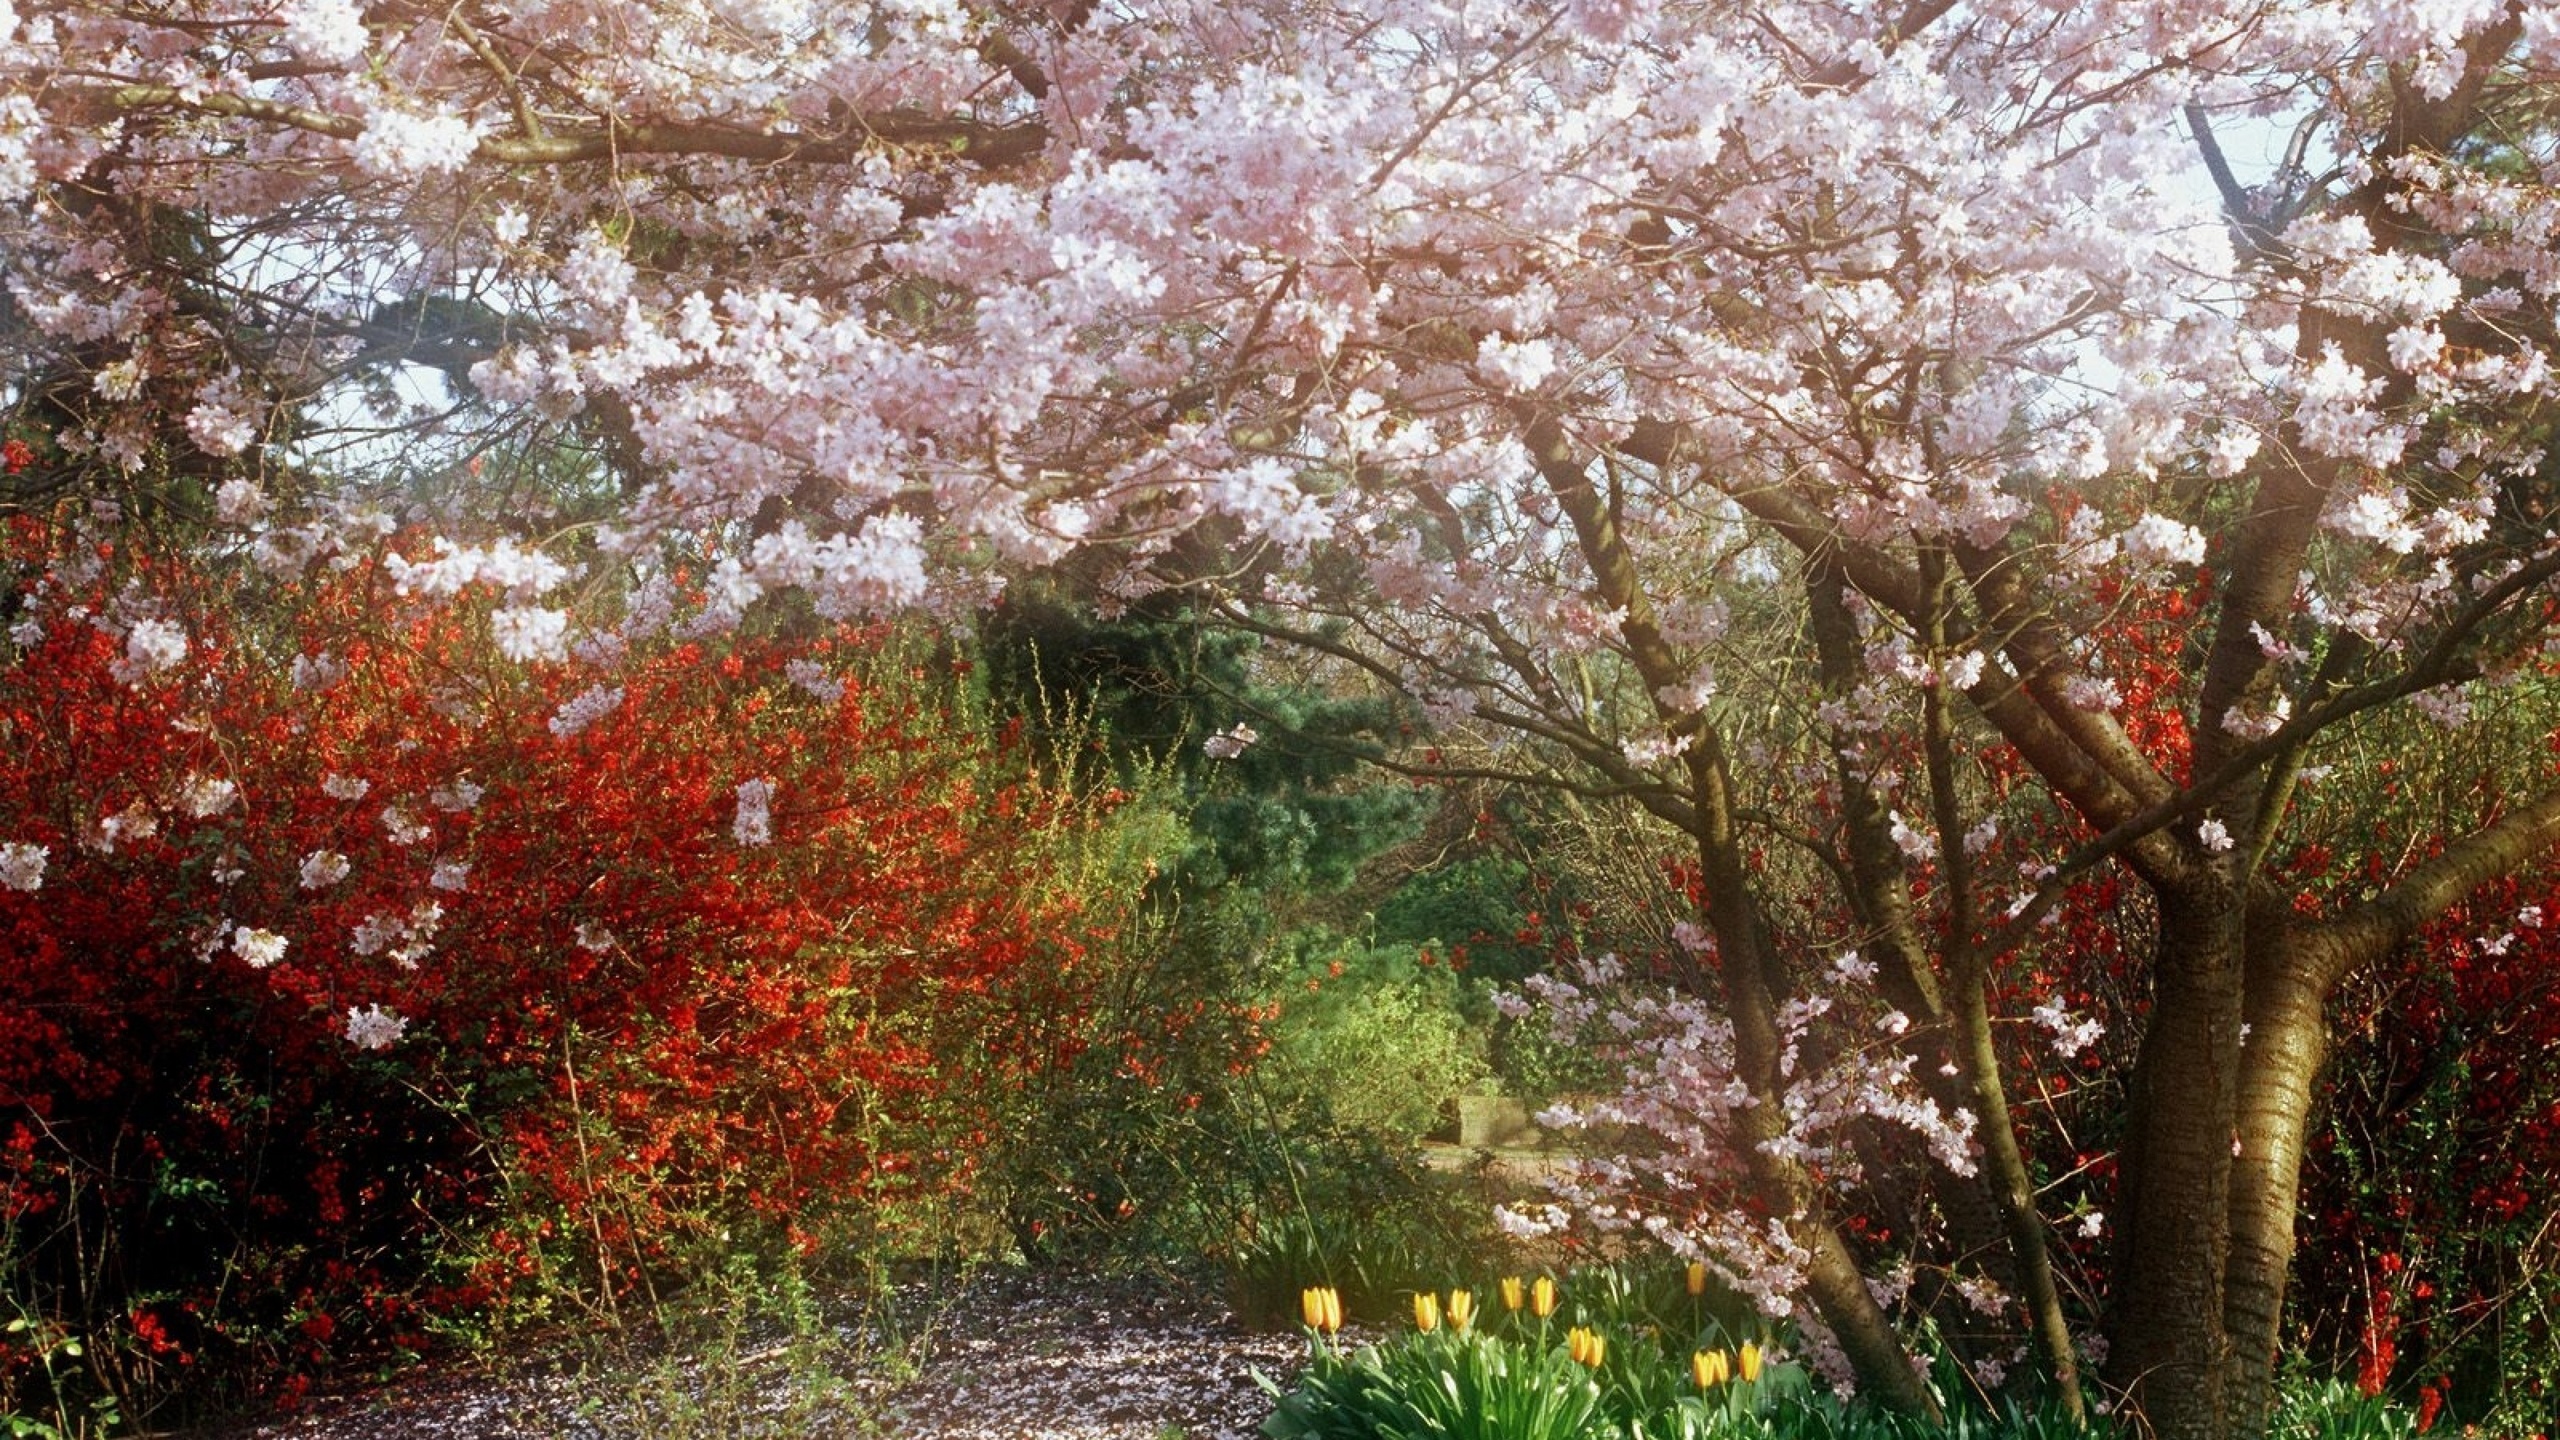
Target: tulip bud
x,y
1709,1368
1542,1297
1510,1292
1321,1307
1462,1308
1587,1347
1426,1312
1697,1277
1750,1366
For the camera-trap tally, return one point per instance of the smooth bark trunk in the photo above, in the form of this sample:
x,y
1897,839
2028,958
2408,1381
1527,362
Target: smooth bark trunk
x,y
2280,1062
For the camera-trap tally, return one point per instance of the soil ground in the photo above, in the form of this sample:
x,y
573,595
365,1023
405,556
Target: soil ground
x,y
1012,1356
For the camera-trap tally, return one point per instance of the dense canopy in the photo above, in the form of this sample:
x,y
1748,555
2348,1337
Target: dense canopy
x,y
2169,381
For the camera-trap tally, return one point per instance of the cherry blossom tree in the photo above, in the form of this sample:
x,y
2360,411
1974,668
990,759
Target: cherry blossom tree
x,y
1519,352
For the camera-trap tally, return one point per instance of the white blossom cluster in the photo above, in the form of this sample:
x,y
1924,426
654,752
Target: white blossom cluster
x,y
150,647
406,939
2070,1035
22,865
1680,1089
134,822
318,672
456,795
260,948
404,829
203,797
402,142
1229,743
812,679
584,709
324,868
374,1028
330,32
753,824
530,632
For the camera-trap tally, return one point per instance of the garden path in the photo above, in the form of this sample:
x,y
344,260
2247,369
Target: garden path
x,y
1015,1356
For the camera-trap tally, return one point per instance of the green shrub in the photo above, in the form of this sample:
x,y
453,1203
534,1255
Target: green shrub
x,y
2336,1410
1373,1039
748,1351
1372,1222
1478,906
1458,1386
1517,1374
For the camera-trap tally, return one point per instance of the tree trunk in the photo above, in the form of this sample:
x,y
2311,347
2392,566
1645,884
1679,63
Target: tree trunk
x,y
2005,1171
2167,1346
1833,1278
1946,1064
1751,973
2280,1061
1754,976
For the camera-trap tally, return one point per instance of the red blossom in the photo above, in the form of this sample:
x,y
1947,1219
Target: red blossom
x,y
622,1020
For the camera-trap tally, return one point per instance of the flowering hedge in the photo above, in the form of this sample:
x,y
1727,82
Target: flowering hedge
x,y
360,975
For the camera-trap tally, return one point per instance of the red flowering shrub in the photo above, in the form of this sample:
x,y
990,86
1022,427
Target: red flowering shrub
x,y
2430,1193
350,974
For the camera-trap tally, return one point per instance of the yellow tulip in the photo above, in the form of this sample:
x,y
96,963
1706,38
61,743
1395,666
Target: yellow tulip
x,y
1750,1366
1322,1308
1697,1277
1510,1292
1710,1368
1542,1297
1426,1312
1462,1308
1587,1347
